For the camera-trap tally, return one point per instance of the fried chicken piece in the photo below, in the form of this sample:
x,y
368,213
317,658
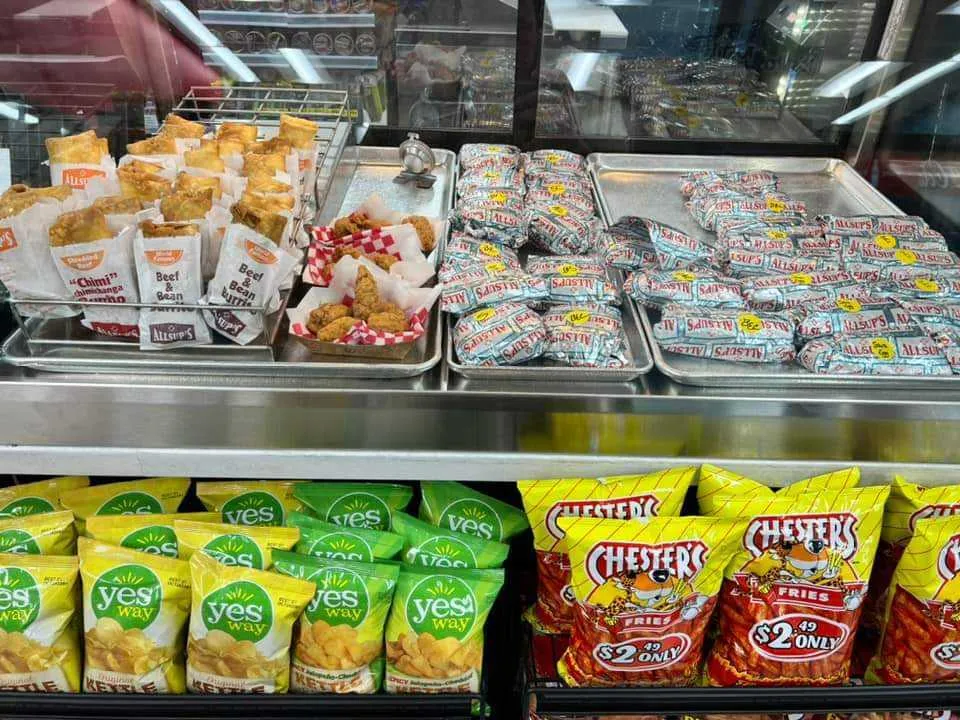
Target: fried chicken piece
x,y
388,322
383,260
365,221
326,314
342,251
424,228
337,329
366,296
343,227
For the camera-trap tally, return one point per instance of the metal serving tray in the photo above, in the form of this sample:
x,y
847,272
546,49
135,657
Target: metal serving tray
x,y
362,171
649,185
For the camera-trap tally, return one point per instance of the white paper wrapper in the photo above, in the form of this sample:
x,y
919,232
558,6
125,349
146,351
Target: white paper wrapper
x,y
103,271
212,228
249,272
119,221
184,144
26,266
77,175
169,272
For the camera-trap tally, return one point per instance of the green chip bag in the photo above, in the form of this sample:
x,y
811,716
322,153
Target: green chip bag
x,y
435,632
354,505
326,540
453,506
249,502
339,644
429,546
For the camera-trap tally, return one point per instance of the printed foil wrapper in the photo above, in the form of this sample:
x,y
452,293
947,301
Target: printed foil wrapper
x,y
903,353
483,155
558,231
872,224
621,248
474,181
585,335
747,263
695,286
463,295
782,292
545,162
848,316
574,279
506,334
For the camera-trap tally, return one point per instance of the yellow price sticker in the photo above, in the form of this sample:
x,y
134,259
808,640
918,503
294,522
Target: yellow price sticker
x,y
495,149
482,316
777,234
490,174
577,317
801,279
885,241
742,100
498,196
495,267
558,210
556,188
907,257
569,270
749,323
553,157
684,276
489,249
882,349
926,285
777,206
694,121
849,305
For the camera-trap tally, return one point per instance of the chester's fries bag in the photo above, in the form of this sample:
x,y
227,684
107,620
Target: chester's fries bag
x,y
354,505
44,534
435,631
921,635
39,647
622,497
135,609
241,621
249,547
456,507
254,502
147,533
429,546
133,497
644,595
37,497
326,540
908,503
717,485
793,592
339,643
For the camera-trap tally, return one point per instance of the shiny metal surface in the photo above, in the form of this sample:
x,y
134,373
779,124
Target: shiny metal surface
x,y
648,185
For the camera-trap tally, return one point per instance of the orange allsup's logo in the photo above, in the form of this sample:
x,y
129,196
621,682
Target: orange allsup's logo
x,y
163,258
260,254
78,178
8,241
84,261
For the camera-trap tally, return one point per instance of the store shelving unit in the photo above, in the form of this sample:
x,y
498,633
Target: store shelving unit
x,y
247,18
276,60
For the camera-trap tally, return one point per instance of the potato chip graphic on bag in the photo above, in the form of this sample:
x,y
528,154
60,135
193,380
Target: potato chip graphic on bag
x,y
235,545
135,610
326,540
354,504
37,497
339,641
39,644
250,502
241,623
151,533
49,533
131,497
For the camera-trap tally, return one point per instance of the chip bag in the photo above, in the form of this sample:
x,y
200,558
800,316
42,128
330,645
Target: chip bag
x,y
132,497
40,649
253,502
429,546
435,631
249,547
717,485
921,636
241,621
456,507
37,497
644,595
326,540
339,643
49,533
622,497
793,592
355,505
135,609
147,533
908,503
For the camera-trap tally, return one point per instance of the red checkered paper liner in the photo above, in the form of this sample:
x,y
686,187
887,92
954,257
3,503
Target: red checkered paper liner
x,y
323,245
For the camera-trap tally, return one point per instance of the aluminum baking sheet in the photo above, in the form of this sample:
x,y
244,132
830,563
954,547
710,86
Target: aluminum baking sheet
x,y
649,185
361,172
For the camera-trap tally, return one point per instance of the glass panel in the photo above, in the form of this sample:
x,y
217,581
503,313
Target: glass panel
x,y
721,69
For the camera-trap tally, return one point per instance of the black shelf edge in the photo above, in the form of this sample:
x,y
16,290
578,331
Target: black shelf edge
x,y
238,707
662,701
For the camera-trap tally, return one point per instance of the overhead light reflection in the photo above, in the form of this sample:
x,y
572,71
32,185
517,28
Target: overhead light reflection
x,y
12,112
301,65
951,9
841,84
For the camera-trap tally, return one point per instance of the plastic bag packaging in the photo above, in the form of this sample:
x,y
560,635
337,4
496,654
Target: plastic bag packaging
x,y
892,353
506,334
694,286
585,335
574,279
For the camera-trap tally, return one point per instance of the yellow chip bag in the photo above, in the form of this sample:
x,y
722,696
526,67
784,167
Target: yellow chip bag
x,y
254,502
132,497
135,608
623,497
40,650
49,533
645,592
37,497
794,590
717,485
240,627
248,547
147,533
